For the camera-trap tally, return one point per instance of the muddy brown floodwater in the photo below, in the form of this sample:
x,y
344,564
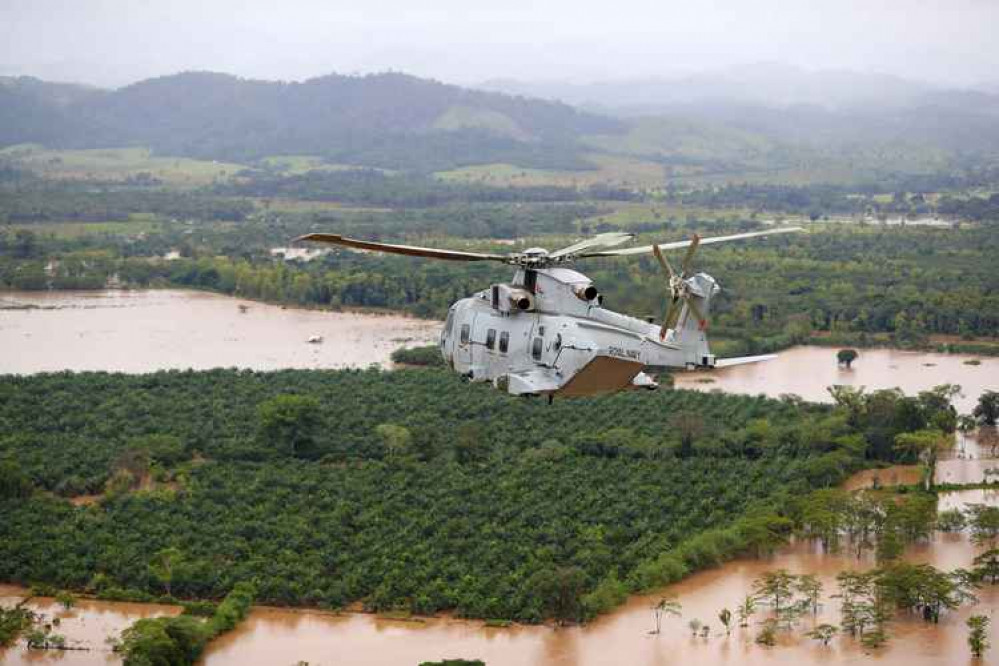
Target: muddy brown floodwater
x,y
807,371
144,331
284,637
86,626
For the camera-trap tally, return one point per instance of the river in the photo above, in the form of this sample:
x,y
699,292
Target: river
x,y
808,370
144,331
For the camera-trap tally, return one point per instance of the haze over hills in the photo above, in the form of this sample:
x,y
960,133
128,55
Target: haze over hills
x,y
773,85
388,119
735,121
825,109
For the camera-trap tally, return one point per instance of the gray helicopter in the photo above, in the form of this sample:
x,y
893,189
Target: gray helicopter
x,y
546,332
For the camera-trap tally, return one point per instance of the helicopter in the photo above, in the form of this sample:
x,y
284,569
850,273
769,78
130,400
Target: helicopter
x,y
546,332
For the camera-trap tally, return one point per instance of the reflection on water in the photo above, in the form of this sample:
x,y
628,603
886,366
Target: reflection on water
x,y
807,371
143,331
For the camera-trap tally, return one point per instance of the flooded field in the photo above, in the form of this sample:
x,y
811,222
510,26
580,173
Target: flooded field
x,y
150,330
807,371
284,637
962,499
144,331
85,626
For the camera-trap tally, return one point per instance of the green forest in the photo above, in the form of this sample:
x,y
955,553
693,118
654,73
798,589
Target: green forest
x,y
434,497
899,285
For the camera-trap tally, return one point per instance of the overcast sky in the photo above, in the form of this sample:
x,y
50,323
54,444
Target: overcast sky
x,y
111,42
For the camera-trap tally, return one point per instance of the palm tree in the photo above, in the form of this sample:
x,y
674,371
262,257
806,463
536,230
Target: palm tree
x,y
666,606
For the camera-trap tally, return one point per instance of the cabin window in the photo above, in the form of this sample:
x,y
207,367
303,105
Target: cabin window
x,y
558,342
504,342
541,331
465,332
491,338
536,348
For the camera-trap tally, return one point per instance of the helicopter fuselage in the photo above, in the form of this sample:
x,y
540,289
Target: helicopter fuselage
x,y
546,333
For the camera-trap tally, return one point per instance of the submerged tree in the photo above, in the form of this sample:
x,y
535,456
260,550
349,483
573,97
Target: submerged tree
x,y
951,520
987,566
922,588
666,606
978,639
810,588
768,633
847,357
823,633
987,409
746,610
777,589
984,522
725,617
924,446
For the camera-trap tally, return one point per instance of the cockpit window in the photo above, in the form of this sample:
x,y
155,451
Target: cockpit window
x,y
449,324
491,338
504,342
465,332
537,348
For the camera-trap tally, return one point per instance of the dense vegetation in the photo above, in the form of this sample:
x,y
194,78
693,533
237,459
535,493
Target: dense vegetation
x,y
40,203
855,285
179,641
376,188
435,496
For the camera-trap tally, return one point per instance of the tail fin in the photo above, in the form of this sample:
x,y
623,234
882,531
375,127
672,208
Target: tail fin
x,y
691,329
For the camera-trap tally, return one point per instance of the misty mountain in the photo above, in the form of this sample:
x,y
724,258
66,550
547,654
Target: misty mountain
x,y
879,124
823,110
772,85
389,120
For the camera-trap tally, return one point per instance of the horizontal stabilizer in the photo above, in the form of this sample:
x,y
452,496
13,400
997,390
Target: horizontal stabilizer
x,y
741,360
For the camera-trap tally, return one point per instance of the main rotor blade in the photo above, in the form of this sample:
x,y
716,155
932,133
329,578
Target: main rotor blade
x,y
674,313
667,311
662,261
645,249
687,258
410,250
609,239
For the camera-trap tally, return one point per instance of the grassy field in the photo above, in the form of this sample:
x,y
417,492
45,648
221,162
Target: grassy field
x,y
628,214
117,164
137,225
290,165
464,117
303,206
613,170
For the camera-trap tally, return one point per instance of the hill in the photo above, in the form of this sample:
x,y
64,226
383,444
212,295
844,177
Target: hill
x,y
866,119
765,123
773,85
389,120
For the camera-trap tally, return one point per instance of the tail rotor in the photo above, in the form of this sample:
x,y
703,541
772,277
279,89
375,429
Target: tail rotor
x,y
681,289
